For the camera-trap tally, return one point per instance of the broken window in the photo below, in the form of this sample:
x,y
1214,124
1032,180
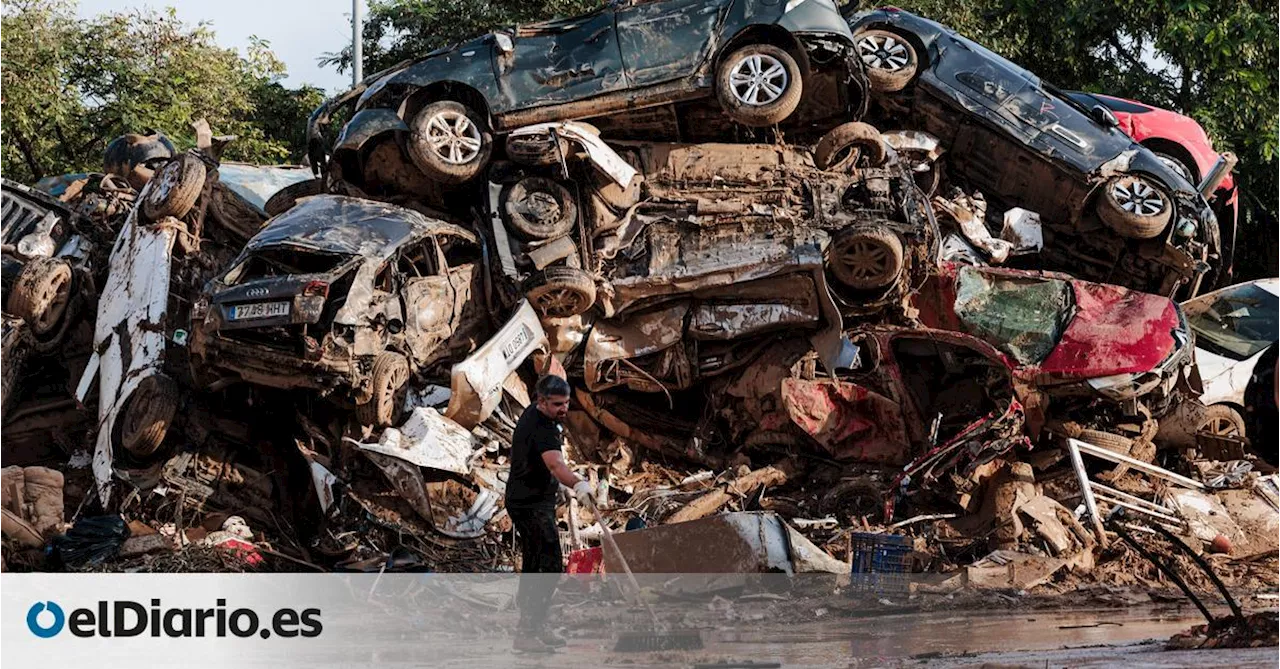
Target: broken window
x,y
1238,322
458,251
1023,317
418,260
284,261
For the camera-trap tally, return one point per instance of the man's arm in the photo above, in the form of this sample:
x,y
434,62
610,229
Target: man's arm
x,y
560,469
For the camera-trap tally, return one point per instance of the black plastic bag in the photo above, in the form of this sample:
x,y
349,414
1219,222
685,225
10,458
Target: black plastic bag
x,y
90,541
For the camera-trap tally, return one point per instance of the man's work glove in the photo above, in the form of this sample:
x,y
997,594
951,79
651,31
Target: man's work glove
x,y
586,496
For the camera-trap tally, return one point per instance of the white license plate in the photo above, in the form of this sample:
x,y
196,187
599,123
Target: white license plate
x,y
521,338
259,310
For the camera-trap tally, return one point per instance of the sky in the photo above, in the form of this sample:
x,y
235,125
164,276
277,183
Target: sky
x,y
299,31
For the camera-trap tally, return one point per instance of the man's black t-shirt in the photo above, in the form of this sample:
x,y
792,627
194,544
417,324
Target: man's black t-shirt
x,y
531,484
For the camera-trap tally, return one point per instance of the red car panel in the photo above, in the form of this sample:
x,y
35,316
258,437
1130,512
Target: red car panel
x,y
1115,331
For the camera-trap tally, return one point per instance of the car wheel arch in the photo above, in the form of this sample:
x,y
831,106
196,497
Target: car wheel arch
x,y
446,90
764,33
1175,150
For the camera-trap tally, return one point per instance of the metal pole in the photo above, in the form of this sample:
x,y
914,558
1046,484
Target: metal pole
x,y
357,42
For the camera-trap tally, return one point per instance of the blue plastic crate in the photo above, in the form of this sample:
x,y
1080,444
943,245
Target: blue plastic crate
x,y
880,562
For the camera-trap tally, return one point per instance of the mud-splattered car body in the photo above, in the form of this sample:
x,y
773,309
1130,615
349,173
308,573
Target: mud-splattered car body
x,y
1019,140
332,283
626,56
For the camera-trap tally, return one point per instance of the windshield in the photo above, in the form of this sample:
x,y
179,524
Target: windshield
x,y
1238,322
278,261
1024,317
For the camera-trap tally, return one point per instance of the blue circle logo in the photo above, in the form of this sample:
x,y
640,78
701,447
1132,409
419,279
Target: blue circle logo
x,y
33,619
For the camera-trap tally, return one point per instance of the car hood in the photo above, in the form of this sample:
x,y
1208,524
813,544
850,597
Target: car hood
x,y
1115,331
340,224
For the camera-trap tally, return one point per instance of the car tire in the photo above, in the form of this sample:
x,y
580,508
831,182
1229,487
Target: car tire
x,y
150,412
537,150
561,292
449,142
1111,442
537,208
889,60
866,258
854,499
175,188
850,145
285,198
390,380
1222,421
1133,207
1177,165
739,82
41,295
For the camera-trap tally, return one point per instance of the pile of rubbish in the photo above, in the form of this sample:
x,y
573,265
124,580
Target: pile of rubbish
x,y
798,340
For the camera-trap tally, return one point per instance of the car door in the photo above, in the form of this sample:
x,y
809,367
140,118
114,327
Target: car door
x,y
560,61
430,304
666,39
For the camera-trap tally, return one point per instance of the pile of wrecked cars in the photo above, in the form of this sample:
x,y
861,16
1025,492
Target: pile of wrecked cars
x,y
851,272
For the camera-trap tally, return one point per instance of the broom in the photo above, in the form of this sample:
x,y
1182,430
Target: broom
x,y
660,638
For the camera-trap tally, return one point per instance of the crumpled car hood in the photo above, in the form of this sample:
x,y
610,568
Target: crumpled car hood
x,y
1115,331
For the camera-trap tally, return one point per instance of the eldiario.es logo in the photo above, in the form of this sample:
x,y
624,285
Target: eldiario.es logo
x,y
124,618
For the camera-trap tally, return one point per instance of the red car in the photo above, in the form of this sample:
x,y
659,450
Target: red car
x,y
1183,145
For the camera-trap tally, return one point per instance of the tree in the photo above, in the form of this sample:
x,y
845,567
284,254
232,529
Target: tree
x,y
71,85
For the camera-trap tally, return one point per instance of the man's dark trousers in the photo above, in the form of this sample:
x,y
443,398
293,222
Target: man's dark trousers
x,y
540,548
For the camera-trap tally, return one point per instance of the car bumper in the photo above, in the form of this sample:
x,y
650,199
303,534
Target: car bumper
x,y
271,367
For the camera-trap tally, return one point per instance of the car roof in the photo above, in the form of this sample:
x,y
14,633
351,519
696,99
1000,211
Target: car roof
x,y
350,226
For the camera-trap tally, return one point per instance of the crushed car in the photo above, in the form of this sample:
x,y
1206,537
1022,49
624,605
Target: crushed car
x,y
444,108
1113,210
351,298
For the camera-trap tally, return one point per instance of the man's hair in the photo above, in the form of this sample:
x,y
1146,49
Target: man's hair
x,y
552,386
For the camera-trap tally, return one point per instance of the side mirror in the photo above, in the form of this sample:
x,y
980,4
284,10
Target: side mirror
x,y
1103,116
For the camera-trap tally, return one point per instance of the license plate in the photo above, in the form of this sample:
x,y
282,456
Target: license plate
x,y
511,348
259,310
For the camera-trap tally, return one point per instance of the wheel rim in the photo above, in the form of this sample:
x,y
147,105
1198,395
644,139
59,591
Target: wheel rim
x,y
54,296
165,182
387,398
883,53
1176,166
561,302
758,79
864,259
542,207
1137,197
1222,427
453,137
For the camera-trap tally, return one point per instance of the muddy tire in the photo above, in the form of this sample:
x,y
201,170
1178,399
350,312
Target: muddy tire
x,y
150,412
850,145
175,188
288,196
537,150
866,258
888,59
390,379
561,292
1111,442
537,208
759,85
853,499
449,142
1134,208
1223,421
41,295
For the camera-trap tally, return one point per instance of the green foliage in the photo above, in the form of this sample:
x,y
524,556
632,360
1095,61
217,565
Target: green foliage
x,y
71,85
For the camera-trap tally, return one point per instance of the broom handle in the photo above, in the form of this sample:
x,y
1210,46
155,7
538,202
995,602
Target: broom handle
x,y
608,539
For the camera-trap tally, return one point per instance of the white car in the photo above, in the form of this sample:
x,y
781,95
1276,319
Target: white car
x,y
1236,332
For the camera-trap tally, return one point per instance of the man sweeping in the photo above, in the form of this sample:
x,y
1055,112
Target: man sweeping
x,y
538,469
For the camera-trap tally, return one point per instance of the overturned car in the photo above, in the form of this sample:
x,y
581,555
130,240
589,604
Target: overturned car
x,y
348,297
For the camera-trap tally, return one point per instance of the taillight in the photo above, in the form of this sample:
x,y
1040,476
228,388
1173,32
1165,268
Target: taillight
x,y
316,289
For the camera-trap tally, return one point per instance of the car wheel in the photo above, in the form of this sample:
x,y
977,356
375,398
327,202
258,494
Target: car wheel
x,y
149,414
537,150
175,188
450,143
889,60
537,208
1223,421
1111,442
1134,208
866,258
285,198
854,499
1176,165
390,378
759,85
849,145
561,292
41,294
